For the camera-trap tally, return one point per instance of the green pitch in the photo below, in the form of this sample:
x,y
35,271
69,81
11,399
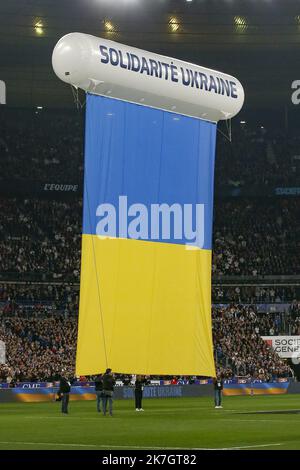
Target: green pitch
x,y
173,423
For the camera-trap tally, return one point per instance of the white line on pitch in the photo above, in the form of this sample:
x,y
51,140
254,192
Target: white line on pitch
x,y
254,420
254,412
108,446
247,447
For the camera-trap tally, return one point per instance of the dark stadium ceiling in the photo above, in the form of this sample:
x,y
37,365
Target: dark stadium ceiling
x,y
256,40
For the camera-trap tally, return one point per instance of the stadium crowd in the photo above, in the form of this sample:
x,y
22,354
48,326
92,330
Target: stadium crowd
x,y
42,237
257,157
237,332
50,344
37,349
42,299
40,241
257,238
52,143
254,294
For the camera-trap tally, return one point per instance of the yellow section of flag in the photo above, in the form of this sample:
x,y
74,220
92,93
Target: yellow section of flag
x,y
145,308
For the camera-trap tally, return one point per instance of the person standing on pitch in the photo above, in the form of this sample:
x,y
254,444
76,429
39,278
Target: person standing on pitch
x,y
99,391
138,392
64,392
218,387
108,391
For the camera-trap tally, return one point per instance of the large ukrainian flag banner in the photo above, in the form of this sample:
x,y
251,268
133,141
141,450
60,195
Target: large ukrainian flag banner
x,y
145,295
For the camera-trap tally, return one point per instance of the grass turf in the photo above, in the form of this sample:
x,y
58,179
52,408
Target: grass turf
x,y
170,423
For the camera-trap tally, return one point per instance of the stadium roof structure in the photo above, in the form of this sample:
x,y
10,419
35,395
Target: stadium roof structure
x,y
255,40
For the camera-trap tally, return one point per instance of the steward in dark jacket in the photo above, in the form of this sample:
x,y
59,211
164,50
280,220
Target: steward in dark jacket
x,y
108,390
138,392
99,391
64,392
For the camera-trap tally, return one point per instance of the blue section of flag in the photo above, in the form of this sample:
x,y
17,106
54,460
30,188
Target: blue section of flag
x,y
150,156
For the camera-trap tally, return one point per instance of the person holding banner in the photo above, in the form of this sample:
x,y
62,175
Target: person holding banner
x,y
218,387
99,391
108,391
138,392
64,393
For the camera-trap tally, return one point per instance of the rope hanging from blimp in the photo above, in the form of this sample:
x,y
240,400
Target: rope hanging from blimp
x,y
97,276
79,107
229,130
75,93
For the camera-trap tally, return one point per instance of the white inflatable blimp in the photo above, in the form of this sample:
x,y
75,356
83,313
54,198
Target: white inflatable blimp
x,y
107,68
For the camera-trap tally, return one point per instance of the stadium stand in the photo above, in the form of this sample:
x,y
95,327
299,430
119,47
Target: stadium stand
x,y
257,237
256,257
254,241
237,332
49,342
